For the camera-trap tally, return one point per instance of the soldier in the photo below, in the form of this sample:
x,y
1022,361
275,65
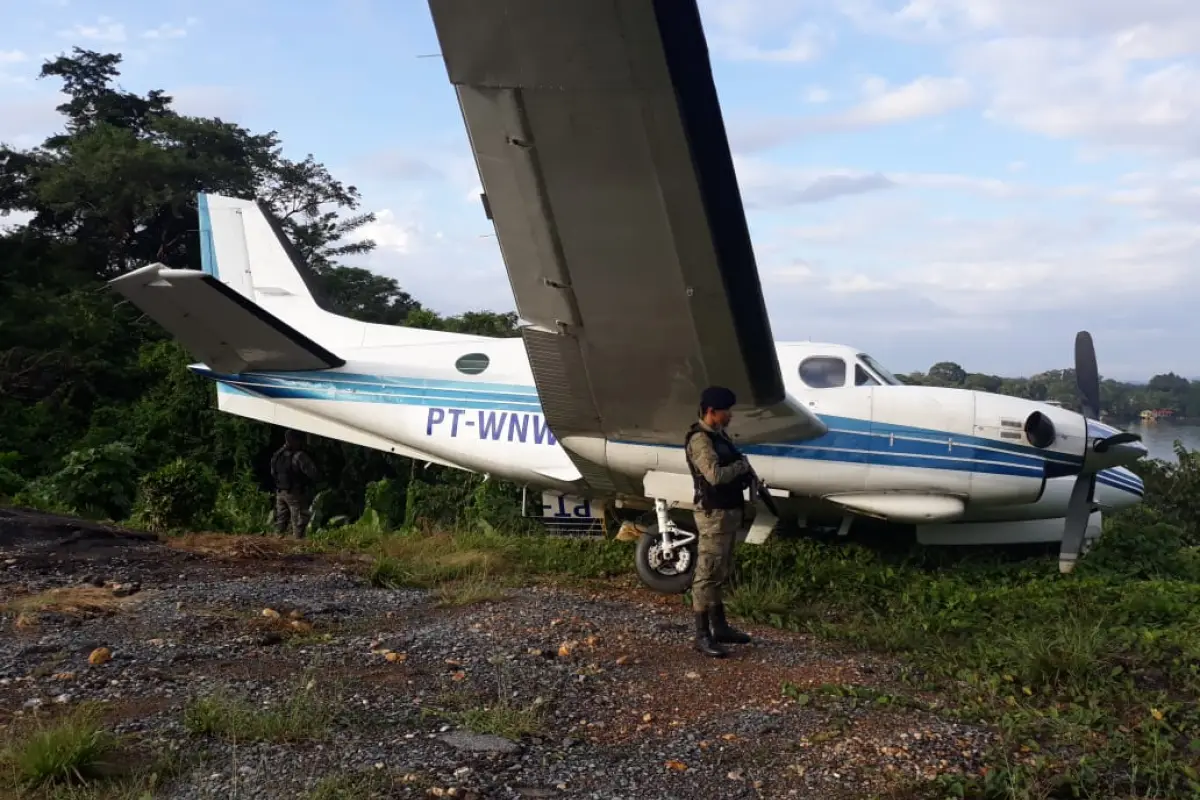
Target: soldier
x,y
295,475
720,474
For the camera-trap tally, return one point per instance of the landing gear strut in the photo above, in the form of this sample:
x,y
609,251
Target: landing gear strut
x,y
666,554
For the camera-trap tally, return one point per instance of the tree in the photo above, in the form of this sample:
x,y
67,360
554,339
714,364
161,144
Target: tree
x,y
948,373
979,382
114,190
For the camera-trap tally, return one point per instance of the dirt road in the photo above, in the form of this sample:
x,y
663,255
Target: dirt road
x,y
250,671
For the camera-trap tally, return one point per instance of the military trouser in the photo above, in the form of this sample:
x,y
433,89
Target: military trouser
x,y
718,534
292,510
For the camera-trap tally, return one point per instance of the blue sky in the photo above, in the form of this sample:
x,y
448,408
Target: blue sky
x,y
972,180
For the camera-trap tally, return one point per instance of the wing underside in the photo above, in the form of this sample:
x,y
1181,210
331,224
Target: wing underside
x,y
607,174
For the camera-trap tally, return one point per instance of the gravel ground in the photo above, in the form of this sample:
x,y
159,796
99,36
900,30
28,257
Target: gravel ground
x,y
627,709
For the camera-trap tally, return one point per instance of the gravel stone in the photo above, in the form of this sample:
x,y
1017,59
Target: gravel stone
x,y
628,709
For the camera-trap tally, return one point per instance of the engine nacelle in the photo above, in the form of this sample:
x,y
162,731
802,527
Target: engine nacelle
x,y
1061,435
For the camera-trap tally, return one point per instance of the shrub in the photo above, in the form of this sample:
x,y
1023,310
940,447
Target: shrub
x,y
178,495
95,481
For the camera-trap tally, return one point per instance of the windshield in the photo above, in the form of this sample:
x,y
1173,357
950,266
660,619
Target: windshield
x,y
880,370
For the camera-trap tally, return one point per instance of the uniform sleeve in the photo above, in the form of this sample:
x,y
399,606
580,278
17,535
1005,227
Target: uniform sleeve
x,y
700,450
308,466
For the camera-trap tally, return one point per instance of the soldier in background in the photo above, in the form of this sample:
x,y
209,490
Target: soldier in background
x,y
720,474
295,475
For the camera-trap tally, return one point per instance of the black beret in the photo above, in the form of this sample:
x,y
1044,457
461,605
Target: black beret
x,y
717,398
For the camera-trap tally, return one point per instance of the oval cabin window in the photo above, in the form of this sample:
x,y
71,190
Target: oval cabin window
x,y
472,363
823,372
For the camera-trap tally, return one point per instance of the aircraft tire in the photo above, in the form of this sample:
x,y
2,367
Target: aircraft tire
x,y
654,579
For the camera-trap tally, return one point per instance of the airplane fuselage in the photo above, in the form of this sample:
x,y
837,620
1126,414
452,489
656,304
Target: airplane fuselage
x,y
922,455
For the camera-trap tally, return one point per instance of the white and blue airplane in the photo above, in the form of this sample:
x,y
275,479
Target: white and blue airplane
x,y
608,177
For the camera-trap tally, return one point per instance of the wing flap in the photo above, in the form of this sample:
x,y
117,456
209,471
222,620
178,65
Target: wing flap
x,y
226,331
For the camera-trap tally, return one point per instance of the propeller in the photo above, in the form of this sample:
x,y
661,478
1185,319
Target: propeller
x,y
1079,507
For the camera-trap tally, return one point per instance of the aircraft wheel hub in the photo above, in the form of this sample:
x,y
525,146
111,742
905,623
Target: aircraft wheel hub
x,y
675,562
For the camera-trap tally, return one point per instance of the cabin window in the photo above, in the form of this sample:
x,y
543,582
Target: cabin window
x,y
472,363
863,378
823,372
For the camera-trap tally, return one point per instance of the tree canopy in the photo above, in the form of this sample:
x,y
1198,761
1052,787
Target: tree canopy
x,y
1120,400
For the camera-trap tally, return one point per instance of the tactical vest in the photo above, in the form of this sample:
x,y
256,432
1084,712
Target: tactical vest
x,y
725,496
284,470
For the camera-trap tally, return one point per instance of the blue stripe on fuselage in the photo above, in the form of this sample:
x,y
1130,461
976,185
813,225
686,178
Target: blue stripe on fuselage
x,y
849,440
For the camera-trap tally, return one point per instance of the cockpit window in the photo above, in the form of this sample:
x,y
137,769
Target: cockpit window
x,y
863,378
880,370
823,372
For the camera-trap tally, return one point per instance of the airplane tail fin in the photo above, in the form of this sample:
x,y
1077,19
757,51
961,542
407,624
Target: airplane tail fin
x,y
244,246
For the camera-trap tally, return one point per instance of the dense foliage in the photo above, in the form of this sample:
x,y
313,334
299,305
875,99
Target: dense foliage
x,y
1120,400
95,400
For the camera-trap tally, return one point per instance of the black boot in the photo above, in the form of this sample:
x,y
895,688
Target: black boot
x,y
704,639
721,631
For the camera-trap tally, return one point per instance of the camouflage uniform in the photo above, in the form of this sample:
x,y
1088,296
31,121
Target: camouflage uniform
x,y
717,527
720,473
295,473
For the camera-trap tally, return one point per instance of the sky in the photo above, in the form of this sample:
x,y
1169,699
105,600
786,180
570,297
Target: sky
x,y
965,180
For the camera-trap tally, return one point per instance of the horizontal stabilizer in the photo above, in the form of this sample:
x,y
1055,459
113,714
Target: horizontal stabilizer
x,y
226,331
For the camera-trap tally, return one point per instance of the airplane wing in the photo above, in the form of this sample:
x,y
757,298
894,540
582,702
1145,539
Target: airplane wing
x,y
607,174
218,326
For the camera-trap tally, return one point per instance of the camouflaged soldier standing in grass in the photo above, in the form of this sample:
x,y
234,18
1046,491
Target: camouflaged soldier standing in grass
x,y
720,474
295,475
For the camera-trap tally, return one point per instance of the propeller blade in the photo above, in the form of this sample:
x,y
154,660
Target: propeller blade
x,y
1087,375
1079,510
1117,438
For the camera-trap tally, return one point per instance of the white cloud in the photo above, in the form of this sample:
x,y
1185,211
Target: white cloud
x,y
389,233
1103,73
226,102
766,184
1082,90
926,96
165,31
817,94
104,30
12,57
28,119
778,31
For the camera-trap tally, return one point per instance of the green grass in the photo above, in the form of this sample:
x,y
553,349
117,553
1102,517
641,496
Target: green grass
x,y
351,786
426,561
1092,680
305,715
74,757
73,749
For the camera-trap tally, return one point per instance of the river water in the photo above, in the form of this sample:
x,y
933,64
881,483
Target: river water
x,y
1159,437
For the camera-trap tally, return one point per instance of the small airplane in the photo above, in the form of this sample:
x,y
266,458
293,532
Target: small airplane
x,y
609,180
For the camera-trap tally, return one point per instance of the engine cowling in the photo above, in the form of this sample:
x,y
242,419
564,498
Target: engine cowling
x,y
1059,433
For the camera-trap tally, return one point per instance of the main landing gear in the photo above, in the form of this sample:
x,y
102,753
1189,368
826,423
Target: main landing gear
x,y
666,554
